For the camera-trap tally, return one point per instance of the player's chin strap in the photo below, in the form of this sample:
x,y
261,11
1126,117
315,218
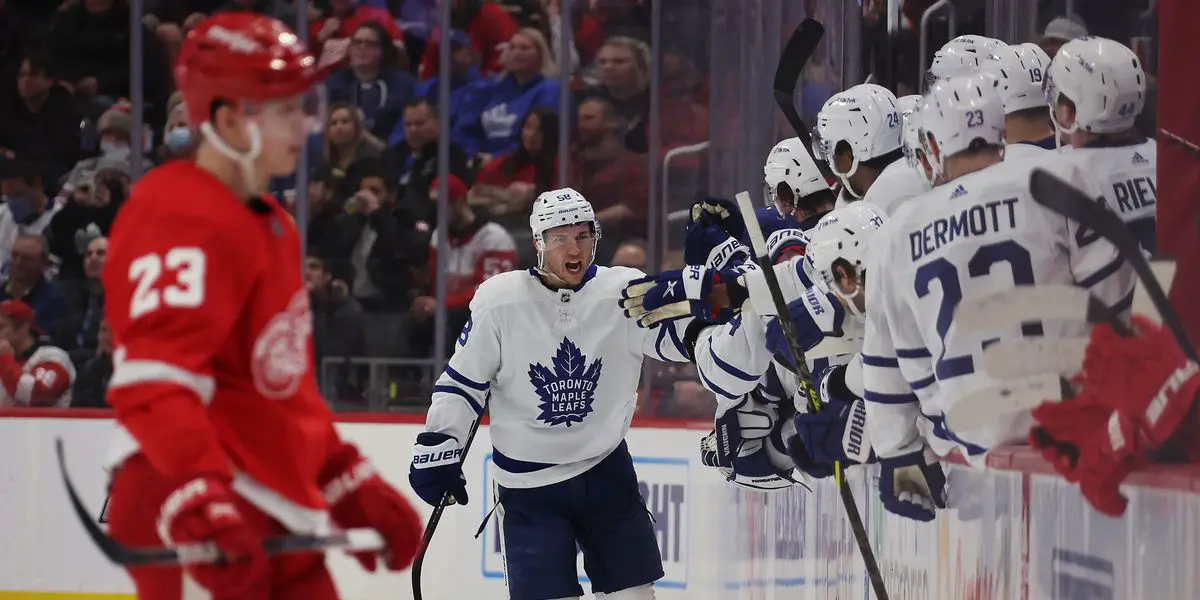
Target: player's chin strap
x,y
245,160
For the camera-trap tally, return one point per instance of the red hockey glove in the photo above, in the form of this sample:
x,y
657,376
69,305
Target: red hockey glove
x,y
204,510
359,497
1136,392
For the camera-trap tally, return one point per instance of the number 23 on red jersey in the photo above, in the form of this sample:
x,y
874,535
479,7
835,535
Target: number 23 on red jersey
x,y
174,279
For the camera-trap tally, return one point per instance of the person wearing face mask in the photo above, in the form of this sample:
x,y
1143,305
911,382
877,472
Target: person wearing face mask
x,y
27,210
177,136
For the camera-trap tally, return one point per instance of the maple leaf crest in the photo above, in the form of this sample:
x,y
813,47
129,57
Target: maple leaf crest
x,y
568,390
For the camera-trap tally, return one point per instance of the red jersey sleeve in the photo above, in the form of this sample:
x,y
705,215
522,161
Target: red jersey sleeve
x,y
497,254
175,281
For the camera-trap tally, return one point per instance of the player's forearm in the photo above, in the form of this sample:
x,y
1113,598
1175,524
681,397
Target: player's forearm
x,y
172,430
456,403
732,358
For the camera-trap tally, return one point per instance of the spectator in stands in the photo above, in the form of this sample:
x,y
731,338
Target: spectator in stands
x,y
91,386
324,205
416,161
77,334
339,325
615,180
625,82
89,206
509,184
347,140
478,250
114,127
91,45
346,17
40,124
178,139
630,253
365,246
464,72
32,372
27,210
372,80
28,282
490,28
494,111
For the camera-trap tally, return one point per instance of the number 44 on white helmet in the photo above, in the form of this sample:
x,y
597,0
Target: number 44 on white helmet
x,y
1104,82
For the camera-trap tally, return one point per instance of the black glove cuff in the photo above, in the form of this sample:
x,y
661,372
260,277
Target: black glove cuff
x,y
835,384
692,333
738,295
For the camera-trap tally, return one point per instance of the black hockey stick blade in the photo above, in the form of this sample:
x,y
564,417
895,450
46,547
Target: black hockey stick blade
x,y
799,48
1072,203
355,539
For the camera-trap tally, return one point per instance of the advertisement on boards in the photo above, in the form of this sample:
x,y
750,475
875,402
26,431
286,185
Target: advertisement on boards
x,y
664,487
1075,552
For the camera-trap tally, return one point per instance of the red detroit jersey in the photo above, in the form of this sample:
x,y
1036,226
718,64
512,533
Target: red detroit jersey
x,y
211,324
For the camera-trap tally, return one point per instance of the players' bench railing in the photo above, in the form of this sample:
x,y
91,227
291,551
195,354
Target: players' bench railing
x,y
353,383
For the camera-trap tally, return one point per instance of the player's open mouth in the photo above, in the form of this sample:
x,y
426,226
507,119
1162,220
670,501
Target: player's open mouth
x,y
574,267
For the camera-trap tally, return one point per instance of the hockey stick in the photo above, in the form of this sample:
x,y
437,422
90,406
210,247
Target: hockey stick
x,y
759,246
799,48
354,540
436,517
1068,201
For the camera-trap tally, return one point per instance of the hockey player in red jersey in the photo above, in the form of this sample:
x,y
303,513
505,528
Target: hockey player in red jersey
x,y
223,435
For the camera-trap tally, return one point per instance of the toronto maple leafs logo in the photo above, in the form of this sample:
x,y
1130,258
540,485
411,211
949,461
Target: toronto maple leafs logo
x,y
566,392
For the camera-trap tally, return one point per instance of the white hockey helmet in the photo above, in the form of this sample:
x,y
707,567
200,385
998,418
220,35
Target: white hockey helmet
x,y
842,237
960,56
790,164
865,118
974,44
910,125
1019,71
557,208
958,113
1105,81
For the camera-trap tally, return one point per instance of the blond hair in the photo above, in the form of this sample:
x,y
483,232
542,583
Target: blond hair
x,y
549,64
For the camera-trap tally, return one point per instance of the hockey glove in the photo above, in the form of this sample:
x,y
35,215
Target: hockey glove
x,y
912,485
805,314
1137,393
359,497
437,469
744,420
720,212
668,296
759,464
838,432
205,510
713,248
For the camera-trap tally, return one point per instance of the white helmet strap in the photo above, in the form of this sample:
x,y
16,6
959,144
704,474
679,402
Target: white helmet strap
x,y
245,160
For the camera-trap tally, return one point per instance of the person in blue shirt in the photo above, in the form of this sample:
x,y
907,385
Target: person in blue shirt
x,y
372,80
492,111
464,72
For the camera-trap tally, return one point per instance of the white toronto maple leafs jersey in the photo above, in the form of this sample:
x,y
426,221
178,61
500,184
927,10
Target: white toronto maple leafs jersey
x,y
1126,176
1024,151
975,235
561,367
732,359
897,183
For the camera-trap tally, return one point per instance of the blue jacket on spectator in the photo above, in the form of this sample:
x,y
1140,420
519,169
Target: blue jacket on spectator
x,y
493,110
382,101
48,302
429,91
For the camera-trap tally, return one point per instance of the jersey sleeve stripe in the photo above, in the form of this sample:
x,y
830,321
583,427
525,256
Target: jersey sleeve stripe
x,y
880,361
714,388
456,391
881,398
464,380
922,383
1124,305
140,371
912,353
730,369
1099,275
664,330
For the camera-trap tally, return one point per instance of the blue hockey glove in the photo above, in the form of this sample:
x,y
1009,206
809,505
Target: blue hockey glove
x,y
437,469
912,485
760,464
721,212
713,248
837,433
785,243
668,296
805,314
770,221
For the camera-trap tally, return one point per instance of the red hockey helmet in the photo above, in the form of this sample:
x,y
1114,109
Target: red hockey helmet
x,y
242,56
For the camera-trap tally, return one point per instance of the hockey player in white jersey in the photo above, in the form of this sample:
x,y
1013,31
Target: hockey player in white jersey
x,y
858,135
1096,89
976,232
1019,71
560,365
